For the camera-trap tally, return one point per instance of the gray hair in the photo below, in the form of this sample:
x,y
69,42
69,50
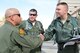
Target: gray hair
x,y
10,12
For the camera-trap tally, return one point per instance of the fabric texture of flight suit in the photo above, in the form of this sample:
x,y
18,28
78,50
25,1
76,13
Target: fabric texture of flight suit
x,y
33,31
11,41
63,32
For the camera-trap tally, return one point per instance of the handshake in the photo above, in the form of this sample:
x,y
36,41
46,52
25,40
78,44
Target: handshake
x,y
41,35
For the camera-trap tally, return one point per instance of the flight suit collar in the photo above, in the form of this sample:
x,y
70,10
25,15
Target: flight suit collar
x,y
68,20
30,22
7,22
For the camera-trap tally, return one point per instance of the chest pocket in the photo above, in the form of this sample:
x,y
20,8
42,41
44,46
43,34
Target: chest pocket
x,y
33,30
74,22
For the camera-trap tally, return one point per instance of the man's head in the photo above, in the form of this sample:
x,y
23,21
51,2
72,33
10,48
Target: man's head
x,y
12,15
32,15
61,9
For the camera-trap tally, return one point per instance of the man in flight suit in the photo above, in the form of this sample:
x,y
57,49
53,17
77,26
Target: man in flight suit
x,y
33,27
63,27
13,39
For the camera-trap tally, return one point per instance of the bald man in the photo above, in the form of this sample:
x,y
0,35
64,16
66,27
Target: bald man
x,y
13,39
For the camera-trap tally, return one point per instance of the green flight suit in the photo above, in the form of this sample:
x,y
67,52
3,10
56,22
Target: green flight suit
x,y
33,31
78,21
13,42
63,32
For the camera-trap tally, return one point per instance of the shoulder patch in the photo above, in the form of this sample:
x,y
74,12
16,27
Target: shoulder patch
x,y
22,32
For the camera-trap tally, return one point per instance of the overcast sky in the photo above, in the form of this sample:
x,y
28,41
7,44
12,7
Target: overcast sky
x,y
45,8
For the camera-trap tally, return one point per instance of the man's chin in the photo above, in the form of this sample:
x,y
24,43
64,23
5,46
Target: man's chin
x,y
32,20
57,15
17,24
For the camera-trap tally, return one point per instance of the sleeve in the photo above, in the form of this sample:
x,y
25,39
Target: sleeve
x,y
50,31
42,29
77,21
26,41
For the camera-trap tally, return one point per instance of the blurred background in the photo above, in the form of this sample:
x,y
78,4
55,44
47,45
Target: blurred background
x,y
46,13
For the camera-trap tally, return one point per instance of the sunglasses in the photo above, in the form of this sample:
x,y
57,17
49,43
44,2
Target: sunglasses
x,y
16,14
32,14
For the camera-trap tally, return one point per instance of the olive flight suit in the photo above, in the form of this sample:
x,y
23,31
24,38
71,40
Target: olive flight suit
x,y
12,41
33,31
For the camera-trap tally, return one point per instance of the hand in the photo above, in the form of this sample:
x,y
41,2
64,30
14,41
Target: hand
x,y
42,36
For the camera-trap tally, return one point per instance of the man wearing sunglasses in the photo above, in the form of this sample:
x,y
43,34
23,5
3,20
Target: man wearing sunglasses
x,y
33,27
13,39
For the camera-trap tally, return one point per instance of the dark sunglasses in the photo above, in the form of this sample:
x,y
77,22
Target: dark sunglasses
x,y
32,14
16,14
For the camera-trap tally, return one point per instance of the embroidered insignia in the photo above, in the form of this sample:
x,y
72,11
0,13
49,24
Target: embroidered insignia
x,y
22,32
